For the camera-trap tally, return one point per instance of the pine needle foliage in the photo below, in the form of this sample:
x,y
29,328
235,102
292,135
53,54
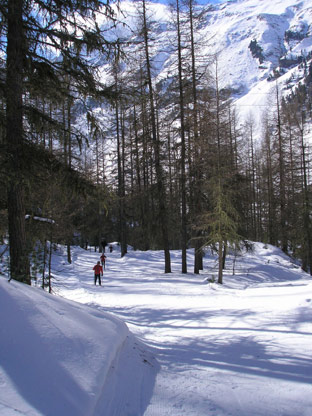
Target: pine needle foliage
x,y
48,61
219,225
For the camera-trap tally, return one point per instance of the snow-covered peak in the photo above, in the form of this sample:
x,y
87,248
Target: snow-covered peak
x,y
275,28
254,42
251,39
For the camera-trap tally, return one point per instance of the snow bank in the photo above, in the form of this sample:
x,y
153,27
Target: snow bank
x,y
55,354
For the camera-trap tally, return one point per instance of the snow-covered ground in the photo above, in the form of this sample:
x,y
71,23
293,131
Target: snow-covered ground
x,y
152,344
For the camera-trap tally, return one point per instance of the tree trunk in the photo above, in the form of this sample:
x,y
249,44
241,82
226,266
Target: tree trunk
x,y
284,244
159,174
45,249
224,255
50,265
196,206
220,262
121,193
69,259
182,128
306,209
19,263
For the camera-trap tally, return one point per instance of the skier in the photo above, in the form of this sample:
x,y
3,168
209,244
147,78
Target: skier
x,y
98,271
103,258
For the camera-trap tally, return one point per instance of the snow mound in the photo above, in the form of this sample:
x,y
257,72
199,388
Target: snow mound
x,y
56,354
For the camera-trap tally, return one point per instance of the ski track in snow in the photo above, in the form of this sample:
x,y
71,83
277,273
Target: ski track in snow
x,y
238,350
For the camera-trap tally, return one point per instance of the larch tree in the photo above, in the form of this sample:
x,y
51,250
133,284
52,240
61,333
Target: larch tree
x,y
36,33
162,213
183,139
299,120
281,171
16,43
194,167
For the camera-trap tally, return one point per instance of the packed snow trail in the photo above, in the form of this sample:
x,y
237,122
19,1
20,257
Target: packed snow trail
x,y
240,349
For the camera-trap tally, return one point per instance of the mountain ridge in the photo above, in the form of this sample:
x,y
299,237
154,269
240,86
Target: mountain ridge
x,y
253,41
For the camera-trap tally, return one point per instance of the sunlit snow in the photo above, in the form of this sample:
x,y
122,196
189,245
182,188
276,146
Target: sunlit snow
x,y
153,344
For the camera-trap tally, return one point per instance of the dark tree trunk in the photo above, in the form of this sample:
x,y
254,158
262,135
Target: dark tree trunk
x,y
198,254
121,190
69,259
159,174
220,262
19,264
284,242
183,177
307,240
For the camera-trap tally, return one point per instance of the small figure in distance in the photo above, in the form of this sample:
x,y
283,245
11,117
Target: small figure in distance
x,y
110,248
103,259
98,271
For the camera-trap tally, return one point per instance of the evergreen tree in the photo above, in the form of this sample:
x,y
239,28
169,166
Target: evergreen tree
x,y
162,215
33,29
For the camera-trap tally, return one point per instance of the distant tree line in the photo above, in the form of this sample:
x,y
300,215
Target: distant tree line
x,y
151,162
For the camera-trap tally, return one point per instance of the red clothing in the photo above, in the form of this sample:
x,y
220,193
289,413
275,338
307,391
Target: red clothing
x,y
103,257
98,269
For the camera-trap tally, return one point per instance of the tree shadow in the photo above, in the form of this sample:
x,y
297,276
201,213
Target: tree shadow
x,y
241,350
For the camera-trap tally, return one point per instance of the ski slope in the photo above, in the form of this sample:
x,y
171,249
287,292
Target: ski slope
x,y
152,344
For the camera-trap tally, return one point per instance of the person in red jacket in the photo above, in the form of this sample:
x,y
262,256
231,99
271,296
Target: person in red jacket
x,y
103,258
98,271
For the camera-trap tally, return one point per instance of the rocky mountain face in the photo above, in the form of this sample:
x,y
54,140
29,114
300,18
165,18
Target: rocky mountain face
x,y
254,43
258,42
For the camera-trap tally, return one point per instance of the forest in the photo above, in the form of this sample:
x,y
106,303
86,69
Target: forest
x,y
153,163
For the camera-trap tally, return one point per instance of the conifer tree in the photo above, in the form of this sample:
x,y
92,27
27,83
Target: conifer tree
x,y
33,30
183,140
19,265
282,178
162,216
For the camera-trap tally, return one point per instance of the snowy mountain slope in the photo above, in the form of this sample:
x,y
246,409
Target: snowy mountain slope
x,y
253,41
233,25
255,44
